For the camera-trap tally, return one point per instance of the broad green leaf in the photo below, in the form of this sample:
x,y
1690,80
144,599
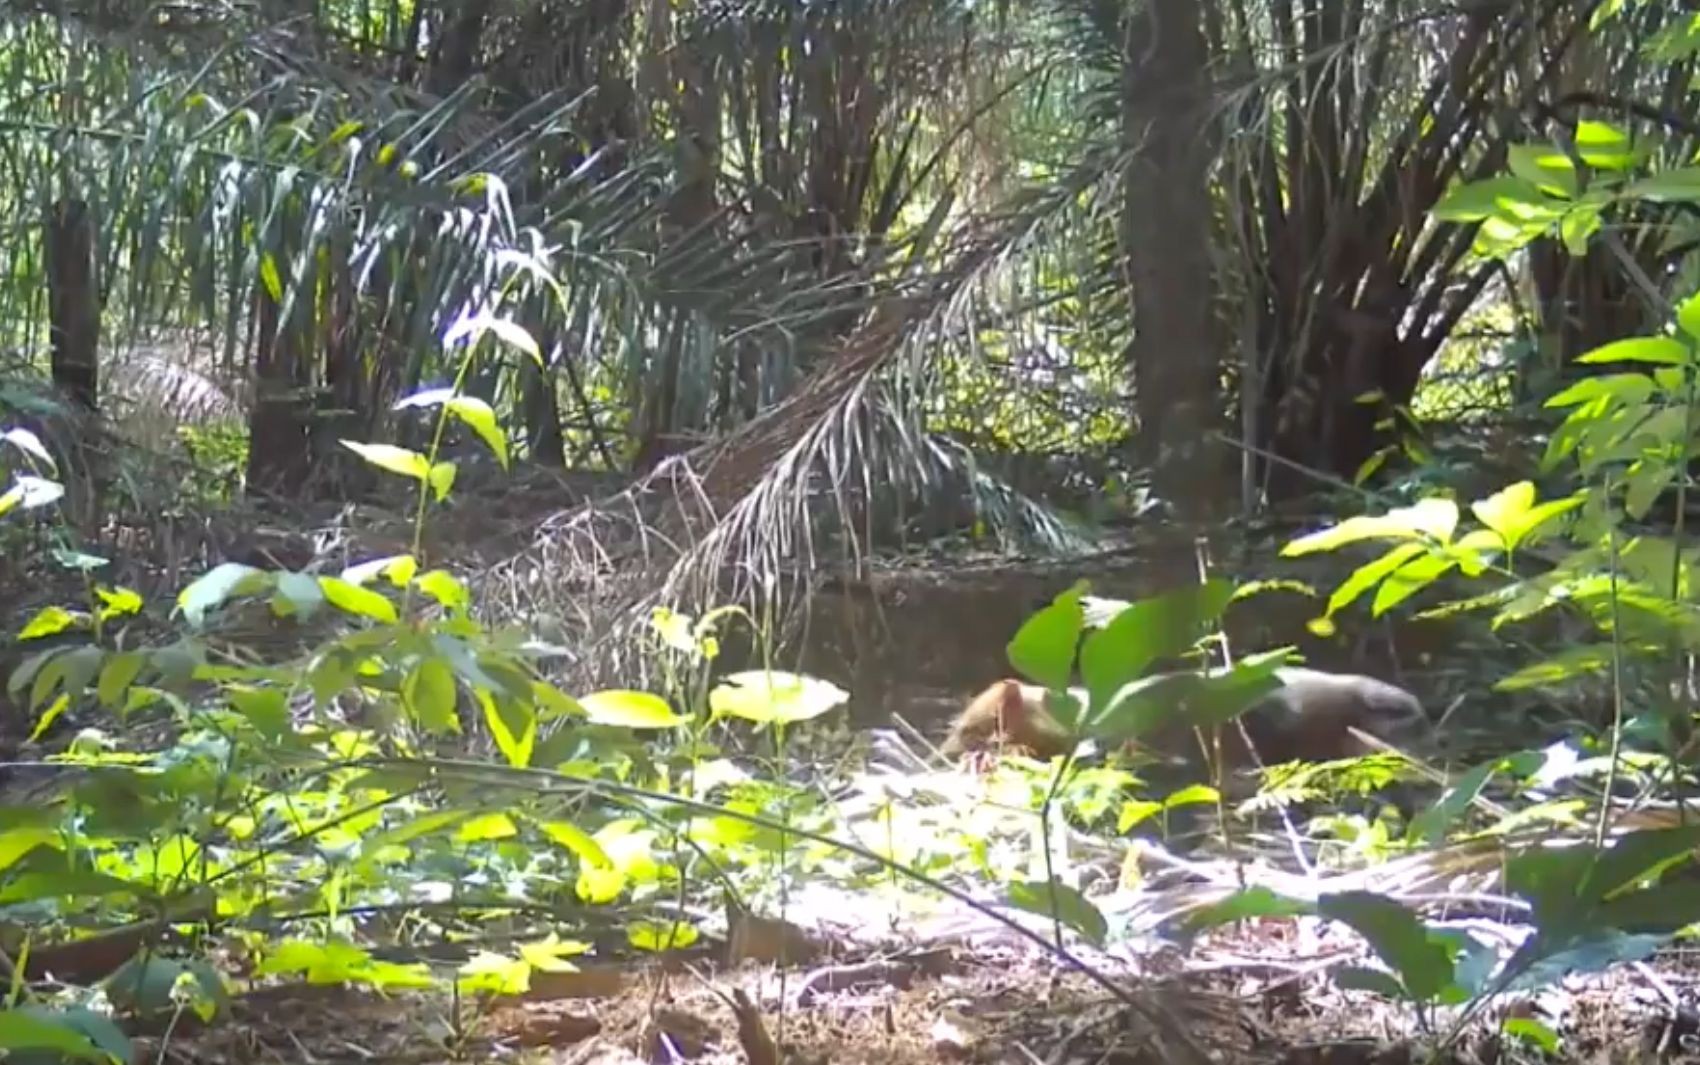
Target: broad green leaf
x,y
29,444
513,725
116,675
492,973
481,419
442,586
222,582
118,602
629,709
50,621
394,459
270,278
508,332
1067,905
1661,351
549,953
31,493
772,697
576,840
1043,648
554,703
1147,631
1398,938
1430,825
33,1034
1624,388
1408,580
1371,574
1513,514
674,629
398,568
1679,185
441,477
428,695
1688,316
361,602
655,936
298,595
1434,517
1242,905
1532,1031
17,843
1479,200
267,709
495,825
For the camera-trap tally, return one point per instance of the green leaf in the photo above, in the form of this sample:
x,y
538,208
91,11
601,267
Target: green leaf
x,y
51,621
398,568
510,333
116,675
267,709
513,725
442,586
1679,185
1043,648
270,278
1398,938
31,493
441,478
1244,905
361,602
1532,1031
118,602
772,697
1371,574
222,582
394,459
1430,826
656,936
1512,513
580,843
1688,316
1479,200
629,709
1376,982
1433,518
38,1035
1149,630
481,419
428,695
1660,351
1050,898
298,595
29,444
17,843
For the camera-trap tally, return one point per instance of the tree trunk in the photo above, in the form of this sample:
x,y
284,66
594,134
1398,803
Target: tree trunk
x,y
1174,355
73,300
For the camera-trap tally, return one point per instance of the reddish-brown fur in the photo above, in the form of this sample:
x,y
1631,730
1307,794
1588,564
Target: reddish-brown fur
x,y
1310,718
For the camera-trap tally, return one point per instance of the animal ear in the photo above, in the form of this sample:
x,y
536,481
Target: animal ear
x,y
1010,706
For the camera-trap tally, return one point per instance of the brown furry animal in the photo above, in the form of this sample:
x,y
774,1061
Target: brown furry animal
x,y
1310,717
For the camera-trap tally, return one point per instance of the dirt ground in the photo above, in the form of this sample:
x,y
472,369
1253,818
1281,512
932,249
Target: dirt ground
x,y
1256,992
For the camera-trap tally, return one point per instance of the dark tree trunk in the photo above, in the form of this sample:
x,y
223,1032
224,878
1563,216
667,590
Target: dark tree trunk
x,y
455,57
279,456
73,299
1175,351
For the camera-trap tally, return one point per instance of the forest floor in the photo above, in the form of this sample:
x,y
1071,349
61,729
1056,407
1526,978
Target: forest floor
x,y
1256,993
